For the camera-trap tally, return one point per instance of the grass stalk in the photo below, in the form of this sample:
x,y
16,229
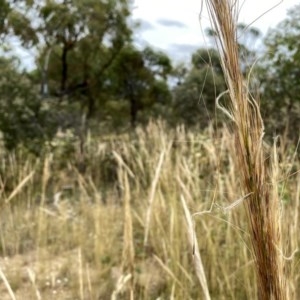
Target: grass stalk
x,y
128,248
262,206
197,257
7,285
152,196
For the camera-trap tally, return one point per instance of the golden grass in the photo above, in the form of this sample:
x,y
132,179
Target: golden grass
x,y
82,235
258,168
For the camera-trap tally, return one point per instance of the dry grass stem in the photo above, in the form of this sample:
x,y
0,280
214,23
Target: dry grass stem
x,y
19,187
152,196
88,243
7,285
263,205
194,244
128,247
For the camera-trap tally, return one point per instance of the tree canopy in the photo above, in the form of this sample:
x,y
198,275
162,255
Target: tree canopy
x,y
280,72
89,67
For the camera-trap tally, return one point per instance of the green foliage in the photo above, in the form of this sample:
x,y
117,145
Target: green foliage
x,y
158,62
194,98
88,67
197,90
20,26
4,11
280,74
85,56
138,77
203,58
78,41
284,54
22,119
91,60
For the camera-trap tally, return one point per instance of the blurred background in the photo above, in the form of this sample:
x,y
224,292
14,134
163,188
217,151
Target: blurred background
x,y
107,66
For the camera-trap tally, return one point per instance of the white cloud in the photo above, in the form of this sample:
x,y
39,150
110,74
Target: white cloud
x,y
263,13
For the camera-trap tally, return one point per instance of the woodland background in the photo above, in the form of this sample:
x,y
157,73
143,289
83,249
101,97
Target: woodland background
x,y
90,75
103,140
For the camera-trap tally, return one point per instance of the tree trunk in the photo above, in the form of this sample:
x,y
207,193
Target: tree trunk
x,y
133,111
64,75
91,106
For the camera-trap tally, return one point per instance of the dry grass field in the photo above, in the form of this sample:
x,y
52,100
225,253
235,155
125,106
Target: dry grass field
x,y
157,213
108,221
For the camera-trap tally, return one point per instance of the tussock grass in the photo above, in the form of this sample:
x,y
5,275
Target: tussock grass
x,y
259,173
81,230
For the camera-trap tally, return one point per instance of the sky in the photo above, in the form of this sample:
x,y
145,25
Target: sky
x,y
175,27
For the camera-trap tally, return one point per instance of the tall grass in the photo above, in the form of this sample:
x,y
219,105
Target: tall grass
x,y
78,232
259,173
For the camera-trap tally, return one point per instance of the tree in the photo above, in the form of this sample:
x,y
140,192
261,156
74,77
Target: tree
x,y
178,74
15,22
140,78
194,99
280,73
4,11
22,118
195,96
77,42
